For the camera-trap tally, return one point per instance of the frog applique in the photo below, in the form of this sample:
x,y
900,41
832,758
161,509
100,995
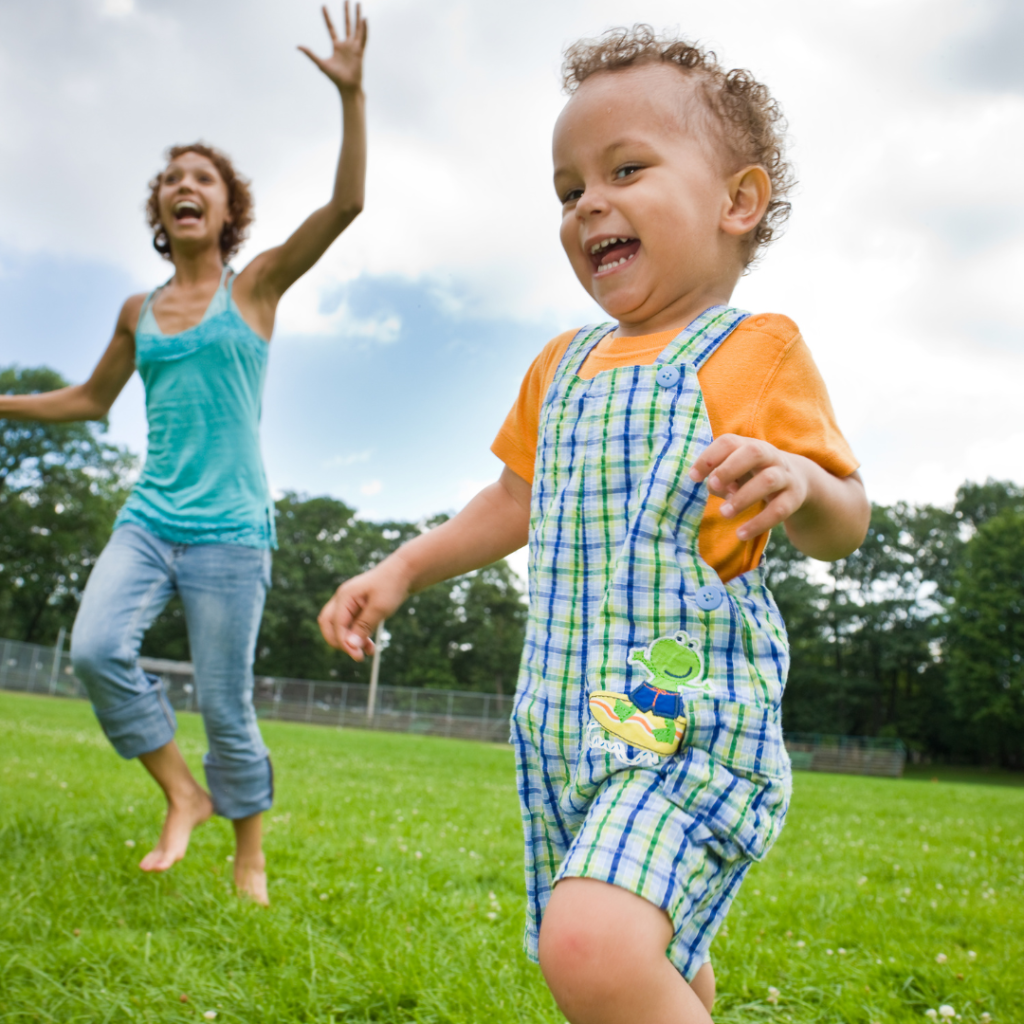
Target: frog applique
x,y
652,716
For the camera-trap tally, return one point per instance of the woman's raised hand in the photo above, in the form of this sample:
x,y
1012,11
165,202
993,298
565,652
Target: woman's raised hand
x,y
344,67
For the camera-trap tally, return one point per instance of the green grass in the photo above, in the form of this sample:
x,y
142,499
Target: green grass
x,y
870,882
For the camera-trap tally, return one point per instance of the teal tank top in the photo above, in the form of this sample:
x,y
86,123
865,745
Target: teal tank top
x,y
203,481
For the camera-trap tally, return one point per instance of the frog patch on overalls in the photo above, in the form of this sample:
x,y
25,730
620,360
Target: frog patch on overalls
x,y
652,716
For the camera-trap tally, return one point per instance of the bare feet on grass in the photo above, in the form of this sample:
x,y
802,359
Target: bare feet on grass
x,y
184,813
250,864
251,880
188,805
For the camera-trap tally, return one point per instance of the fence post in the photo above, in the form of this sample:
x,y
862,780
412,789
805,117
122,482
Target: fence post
x,y
3,663
55,667
309,703
371,698
34,654
448,720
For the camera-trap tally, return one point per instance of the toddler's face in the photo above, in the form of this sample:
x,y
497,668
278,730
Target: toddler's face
x,y
643,190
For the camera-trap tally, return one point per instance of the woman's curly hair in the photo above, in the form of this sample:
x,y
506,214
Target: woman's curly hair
x,y
239,201
751,121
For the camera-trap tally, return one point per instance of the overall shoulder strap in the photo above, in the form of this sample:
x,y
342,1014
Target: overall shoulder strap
x,y
698,341
578,349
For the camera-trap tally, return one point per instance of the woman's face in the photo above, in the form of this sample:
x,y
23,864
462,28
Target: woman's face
x,y
193,202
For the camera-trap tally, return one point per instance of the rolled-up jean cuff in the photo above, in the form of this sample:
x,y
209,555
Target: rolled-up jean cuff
x,y
141,724
240,790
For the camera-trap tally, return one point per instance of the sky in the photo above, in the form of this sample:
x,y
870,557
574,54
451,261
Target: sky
x,y
397,357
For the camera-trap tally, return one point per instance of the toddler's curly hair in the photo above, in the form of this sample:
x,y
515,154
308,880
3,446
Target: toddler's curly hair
x,y
239,201
751,122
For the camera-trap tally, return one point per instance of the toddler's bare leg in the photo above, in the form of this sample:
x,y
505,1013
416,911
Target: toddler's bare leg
x,y
188,805
703,985
250,864
602,951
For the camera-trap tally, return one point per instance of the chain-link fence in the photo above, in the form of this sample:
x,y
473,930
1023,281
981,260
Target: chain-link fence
x,y
851,755
29,668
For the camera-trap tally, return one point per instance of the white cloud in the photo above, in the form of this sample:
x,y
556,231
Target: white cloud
x,y
352,459
371,488
902,263
118,8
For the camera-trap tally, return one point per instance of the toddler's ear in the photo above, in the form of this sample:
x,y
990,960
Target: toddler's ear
x,y
750,192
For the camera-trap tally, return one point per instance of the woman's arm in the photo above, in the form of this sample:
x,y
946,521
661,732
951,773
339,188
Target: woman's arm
x,y
272,273
93,399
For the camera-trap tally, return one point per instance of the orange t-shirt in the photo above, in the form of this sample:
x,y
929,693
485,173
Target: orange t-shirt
x,y
761,382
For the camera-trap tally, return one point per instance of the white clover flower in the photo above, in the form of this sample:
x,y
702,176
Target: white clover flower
x,y
773,995
862,879
947,1011
210,1015
985,1017
130,843
931,1014
971,955
941,958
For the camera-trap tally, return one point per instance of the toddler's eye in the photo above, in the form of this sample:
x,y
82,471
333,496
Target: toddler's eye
x,y
572,195
625,172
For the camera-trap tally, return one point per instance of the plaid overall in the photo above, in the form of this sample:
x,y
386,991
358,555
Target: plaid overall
x,y
614,566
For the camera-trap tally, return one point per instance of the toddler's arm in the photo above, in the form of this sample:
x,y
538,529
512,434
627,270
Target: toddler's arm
x,y
494,524
825,516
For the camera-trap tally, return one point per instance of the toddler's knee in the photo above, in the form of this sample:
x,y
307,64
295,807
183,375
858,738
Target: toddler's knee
x,y
574,957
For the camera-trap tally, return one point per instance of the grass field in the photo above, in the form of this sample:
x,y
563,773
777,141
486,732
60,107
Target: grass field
x,y
397,892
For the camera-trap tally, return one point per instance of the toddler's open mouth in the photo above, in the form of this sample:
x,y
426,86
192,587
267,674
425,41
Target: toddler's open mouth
x,y
612,252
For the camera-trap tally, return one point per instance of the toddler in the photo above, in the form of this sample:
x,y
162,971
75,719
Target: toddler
x,y
646,460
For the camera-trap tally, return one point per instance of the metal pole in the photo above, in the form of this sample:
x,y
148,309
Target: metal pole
x,y
3,663
371,699
57,654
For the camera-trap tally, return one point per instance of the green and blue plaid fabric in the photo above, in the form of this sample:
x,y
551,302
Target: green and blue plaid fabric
x,y
614,565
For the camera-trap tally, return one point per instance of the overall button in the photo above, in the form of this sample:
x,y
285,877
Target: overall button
x,y
709,598
668,376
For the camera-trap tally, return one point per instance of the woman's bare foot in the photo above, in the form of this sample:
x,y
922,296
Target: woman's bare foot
x,y
250,864
188,805
251,880
184,813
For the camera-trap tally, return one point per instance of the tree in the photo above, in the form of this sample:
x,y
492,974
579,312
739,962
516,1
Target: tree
x,y
985,641
493,620
61,485
465,633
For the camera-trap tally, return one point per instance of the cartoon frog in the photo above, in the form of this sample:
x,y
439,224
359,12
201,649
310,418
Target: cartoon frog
x,y
674,663
653,716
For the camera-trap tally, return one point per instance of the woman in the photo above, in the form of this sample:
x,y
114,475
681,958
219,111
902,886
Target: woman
x,y
199,522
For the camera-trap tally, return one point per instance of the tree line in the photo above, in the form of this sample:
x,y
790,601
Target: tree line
x,y
918,635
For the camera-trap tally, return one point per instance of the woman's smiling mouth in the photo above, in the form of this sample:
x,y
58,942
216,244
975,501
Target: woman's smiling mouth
x,y
185,209
613,252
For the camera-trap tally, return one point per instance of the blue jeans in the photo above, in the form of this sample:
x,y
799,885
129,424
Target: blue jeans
x,y
223,587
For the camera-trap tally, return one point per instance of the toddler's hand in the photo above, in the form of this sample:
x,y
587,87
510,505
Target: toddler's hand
x,y
359,605
744,471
